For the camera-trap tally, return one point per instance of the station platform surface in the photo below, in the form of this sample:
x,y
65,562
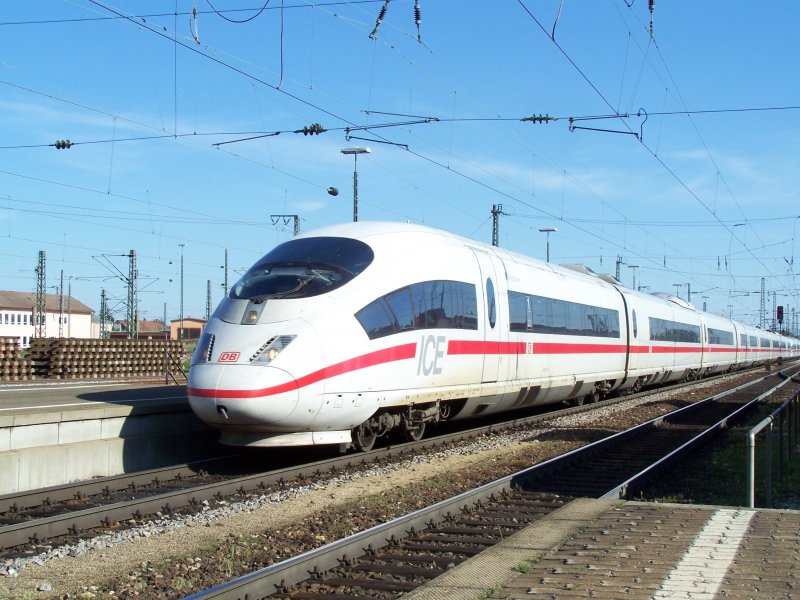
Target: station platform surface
x,y
634,550
52,433
44,401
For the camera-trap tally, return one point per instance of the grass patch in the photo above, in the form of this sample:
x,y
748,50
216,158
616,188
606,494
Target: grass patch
x,y
523,566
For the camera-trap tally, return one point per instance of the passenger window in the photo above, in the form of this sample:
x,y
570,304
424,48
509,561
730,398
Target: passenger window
x,y
635,326
400,303
376,320
491,305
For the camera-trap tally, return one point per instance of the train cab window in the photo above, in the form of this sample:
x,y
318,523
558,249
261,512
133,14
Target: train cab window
x,y
305,267
491,304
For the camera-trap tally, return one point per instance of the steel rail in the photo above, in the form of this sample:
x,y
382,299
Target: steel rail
x,y
635,483
16,501
279,576
78,521
17,534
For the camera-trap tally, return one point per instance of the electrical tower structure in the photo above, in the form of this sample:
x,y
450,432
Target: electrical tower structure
x,y
103,315
774,311
61,306
208,299
763,307
41,298
225,266
276,218
497,210
133,310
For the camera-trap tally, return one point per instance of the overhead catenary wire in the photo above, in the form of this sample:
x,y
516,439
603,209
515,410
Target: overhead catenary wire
x,y
594,87
421,132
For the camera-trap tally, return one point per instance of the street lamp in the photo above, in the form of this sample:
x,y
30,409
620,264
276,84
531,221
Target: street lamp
x,y
633,270
355,152
548,231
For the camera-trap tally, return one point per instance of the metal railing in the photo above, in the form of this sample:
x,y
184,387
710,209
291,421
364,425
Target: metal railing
x,y
787,419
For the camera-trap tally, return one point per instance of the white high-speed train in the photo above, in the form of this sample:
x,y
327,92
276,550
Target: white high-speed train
x,y
343,334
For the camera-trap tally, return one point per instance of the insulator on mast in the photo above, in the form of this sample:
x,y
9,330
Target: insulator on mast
x,y
418,20
379,20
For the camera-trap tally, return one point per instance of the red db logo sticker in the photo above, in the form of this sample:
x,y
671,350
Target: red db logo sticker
x,y
229,356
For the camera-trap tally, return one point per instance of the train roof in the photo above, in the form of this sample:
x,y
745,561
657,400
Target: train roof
x,y
365,229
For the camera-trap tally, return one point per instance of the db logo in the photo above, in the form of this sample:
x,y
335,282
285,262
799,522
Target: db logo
x,y
229,356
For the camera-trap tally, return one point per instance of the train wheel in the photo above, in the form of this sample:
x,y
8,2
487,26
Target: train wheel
x,y
413,434
363,438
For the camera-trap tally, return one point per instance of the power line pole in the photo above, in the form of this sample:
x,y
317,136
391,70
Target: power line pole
x,y
774,311
208,299
295,218
497,210
61,306
103,314
180,329
619,264
225,282
133,310
762,309
41,298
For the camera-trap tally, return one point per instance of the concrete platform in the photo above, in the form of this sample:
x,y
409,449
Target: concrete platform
x,y
613,549
59,433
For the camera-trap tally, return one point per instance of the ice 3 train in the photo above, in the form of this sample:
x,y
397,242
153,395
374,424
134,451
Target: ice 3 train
x,y
346,333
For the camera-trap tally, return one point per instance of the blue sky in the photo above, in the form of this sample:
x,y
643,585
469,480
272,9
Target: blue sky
x,y
701,192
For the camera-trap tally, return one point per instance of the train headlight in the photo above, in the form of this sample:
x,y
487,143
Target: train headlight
x,y
270,350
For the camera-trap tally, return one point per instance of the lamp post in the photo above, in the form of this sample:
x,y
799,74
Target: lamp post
x,y
548,231
633,270
355,152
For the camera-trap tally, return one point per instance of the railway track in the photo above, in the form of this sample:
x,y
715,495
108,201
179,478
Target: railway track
x,y
403,554
32,521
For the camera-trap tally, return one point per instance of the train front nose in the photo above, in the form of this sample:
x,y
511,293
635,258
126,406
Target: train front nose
x,y
233,395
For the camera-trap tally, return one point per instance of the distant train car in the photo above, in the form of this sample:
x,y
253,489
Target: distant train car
x,y
344,334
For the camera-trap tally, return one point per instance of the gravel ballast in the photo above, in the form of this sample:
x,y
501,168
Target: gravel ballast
x,y
172,556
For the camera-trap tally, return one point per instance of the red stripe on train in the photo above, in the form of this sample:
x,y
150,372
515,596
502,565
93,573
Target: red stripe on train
x,y
371,359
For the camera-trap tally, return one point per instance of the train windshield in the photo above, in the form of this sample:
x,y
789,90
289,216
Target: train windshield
x,y
303,268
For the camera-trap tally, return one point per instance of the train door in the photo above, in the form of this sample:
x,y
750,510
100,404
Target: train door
x,y
632,363
494,333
